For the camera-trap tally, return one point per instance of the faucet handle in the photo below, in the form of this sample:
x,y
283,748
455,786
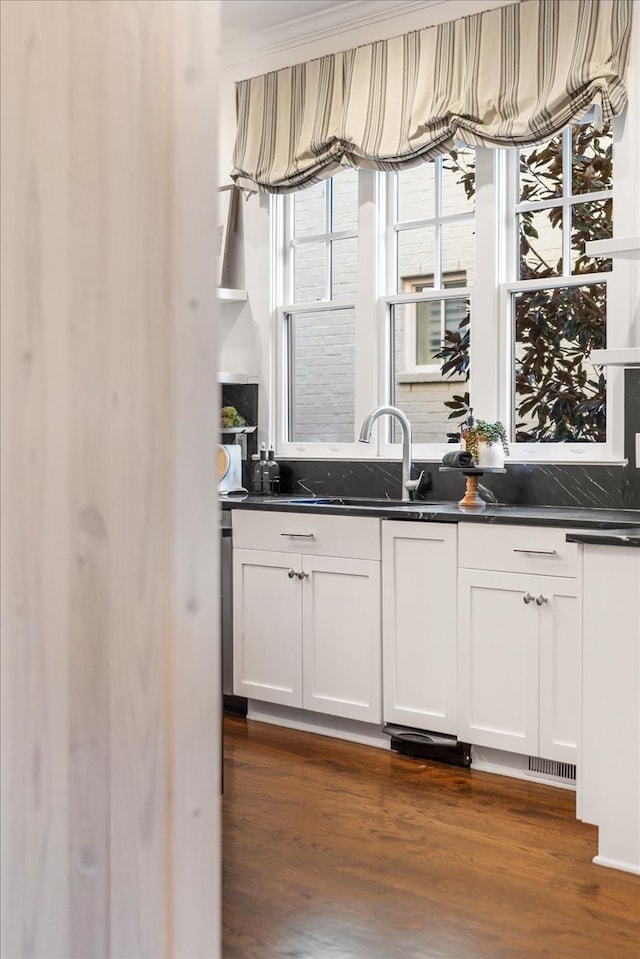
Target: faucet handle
x,y
412,485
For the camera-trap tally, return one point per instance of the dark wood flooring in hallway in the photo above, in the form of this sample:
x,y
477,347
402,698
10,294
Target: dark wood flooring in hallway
x,y
338,851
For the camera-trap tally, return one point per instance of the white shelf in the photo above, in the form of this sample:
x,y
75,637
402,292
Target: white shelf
x,y
236,378
627,247
628,356
223,293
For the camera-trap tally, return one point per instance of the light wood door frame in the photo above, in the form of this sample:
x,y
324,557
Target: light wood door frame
x,y
111,702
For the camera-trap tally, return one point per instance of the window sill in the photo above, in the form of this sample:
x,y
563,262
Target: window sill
x,y
435,377
431,460
547,461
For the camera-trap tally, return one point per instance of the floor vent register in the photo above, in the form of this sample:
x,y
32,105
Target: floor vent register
x,y
552,769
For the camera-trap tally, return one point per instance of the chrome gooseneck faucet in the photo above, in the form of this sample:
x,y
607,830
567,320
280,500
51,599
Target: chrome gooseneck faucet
x,y
408,485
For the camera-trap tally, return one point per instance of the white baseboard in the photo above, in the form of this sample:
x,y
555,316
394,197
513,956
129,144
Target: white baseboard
x,y
503,763
616,864
348,729
483,758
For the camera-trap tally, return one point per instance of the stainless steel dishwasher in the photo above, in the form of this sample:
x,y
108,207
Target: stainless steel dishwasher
x,y
236,704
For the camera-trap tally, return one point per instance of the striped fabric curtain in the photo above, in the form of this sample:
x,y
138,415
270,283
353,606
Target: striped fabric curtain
x,y
511,76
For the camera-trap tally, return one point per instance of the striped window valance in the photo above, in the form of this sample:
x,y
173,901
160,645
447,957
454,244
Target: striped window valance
x,y
510,76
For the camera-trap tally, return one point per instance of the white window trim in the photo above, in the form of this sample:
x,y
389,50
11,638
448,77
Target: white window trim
x,y
491,352
612,451
366,347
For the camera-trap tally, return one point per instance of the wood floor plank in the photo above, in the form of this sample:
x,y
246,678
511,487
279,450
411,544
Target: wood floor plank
x,y
333,850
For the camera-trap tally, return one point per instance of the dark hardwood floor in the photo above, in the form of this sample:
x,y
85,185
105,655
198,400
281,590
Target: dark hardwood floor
x,y
338,851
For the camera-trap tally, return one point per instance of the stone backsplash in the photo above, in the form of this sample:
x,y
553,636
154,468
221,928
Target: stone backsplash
x,y
600,487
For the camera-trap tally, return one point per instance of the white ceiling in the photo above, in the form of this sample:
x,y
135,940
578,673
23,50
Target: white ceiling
x,y
238,17
243,21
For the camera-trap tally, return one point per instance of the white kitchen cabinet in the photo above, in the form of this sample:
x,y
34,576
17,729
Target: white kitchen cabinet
x,y
609,780
267,615
519,642
419,622
307,616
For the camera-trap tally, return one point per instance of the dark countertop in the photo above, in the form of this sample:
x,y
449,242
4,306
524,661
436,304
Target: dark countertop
x,y
622,526
629,536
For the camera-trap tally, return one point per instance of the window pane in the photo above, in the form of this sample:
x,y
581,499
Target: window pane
x,y
428,335
344,267
540,237
590,221
416,335
592,166
416,193
345,201
321,376
309,210
458,254
433,318
416,254
310,272
559,394
458,181
541,171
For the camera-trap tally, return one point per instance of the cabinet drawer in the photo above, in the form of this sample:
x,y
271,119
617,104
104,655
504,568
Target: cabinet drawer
x,y
353,537
517,549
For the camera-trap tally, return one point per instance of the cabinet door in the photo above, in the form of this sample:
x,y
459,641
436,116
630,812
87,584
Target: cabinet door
x,y
267,611
341,648
419,625
560,668
498,660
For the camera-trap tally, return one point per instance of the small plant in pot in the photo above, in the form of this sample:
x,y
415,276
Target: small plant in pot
x,y
487,443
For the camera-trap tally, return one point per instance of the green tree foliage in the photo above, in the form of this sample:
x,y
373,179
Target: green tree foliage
x,y
558,396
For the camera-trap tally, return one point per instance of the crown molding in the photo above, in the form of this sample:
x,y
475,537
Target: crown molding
x,y
340,27
338,21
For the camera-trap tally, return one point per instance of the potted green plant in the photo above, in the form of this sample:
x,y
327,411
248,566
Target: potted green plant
x,y
487,443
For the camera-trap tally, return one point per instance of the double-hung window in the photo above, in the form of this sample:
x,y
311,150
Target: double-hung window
x,y
561,197
459,282
430,272
317,333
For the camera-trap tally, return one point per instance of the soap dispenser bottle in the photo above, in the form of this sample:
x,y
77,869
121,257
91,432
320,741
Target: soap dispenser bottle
x,y
273,472
259,471
470,423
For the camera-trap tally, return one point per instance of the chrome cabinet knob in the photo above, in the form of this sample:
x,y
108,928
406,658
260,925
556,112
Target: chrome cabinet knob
x,y
302,575
527,598
291,574
541,600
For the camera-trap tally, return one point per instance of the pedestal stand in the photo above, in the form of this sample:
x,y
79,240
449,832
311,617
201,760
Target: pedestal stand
x,y
471,498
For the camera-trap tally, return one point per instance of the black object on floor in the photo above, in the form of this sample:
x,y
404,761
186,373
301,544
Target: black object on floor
x,y
430,746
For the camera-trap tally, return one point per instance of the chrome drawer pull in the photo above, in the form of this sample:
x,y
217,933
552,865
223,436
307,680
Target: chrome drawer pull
x,y
301,535
539,552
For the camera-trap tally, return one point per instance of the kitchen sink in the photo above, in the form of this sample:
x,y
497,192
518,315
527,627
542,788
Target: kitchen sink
x,y
363,502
